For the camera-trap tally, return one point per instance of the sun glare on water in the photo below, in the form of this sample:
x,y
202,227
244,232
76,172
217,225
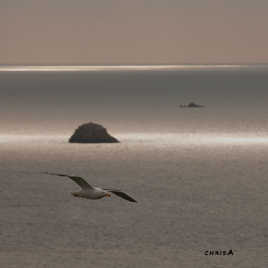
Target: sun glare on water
x,y
168,139
241,140
197,138
63,68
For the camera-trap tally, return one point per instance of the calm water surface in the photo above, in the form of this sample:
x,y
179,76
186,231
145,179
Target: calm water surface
x,y
200,176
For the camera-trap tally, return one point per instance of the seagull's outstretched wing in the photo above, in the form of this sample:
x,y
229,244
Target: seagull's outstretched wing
x,y
121,194
80,181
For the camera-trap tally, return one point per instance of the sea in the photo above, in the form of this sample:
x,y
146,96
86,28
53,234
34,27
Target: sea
x,y
199,174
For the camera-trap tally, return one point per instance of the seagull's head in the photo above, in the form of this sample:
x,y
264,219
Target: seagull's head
x,y
107,195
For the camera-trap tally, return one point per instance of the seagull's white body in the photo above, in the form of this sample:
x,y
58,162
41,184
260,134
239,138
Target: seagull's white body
x,y
95,193
91,192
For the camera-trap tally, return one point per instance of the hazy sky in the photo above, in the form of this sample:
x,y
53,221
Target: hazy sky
x,y
133,32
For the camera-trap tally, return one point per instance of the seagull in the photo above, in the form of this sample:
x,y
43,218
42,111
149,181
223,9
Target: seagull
x,y
91,192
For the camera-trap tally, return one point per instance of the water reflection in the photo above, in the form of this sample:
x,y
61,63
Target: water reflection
x,y
153,138
198,139
121,68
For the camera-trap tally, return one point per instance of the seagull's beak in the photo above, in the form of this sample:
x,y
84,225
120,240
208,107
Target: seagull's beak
x,y
108,195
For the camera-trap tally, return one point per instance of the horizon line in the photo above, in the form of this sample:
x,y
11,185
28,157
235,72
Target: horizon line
x,y
123,67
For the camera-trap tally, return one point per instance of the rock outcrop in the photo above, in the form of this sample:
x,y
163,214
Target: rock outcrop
x,y
191,105
91,133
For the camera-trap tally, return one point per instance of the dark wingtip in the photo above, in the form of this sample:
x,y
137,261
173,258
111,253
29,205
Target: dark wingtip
x,y
56,174
132,200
